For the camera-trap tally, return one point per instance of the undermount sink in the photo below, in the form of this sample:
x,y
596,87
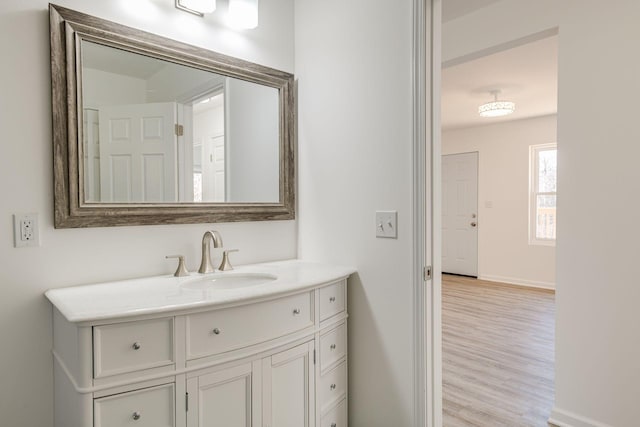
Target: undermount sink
x,y
229,281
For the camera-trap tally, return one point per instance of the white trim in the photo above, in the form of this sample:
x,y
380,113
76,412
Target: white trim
x,y
421,364
562,418
518,282
427,344
434,298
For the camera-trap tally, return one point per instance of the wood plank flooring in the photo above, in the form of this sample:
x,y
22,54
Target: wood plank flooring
x,y
498,354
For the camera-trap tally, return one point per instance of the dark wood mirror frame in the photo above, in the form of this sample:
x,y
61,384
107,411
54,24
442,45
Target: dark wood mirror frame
x,y
68,28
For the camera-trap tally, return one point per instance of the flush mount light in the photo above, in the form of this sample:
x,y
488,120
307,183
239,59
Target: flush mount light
x,y
243,14
197,7
496,108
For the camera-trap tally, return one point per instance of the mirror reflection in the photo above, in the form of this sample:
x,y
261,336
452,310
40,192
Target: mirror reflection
x,y
158,132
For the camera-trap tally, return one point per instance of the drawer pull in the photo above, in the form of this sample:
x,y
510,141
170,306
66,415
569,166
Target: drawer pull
x,y
136,346
332,387
136,415
332,299
216,331
333,347
334,425
296,311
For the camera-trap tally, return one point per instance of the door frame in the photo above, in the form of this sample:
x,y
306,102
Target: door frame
x,y
426,196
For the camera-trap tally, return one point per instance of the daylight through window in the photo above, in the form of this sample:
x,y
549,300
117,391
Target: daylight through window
x,y
543,219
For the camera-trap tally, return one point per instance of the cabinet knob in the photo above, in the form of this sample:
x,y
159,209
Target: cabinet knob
x,y
136,346
216,331
333,347
332,299
296,311
334,425
136,415
332,387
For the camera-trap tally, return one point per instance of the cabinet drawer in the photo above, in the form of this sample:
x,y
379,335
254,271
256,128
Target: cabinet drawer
x,y
224,330
331,300
333,346
337,417
333,386
132,346
150,407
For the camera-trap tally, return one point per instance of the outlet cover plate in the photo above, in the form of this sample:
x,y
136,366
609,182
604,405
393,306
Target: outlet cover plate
x,y
25,235
387,224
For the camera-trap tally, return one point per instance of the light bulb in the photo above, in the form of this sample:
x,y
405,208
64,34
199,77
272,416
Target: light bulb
x,y
243,14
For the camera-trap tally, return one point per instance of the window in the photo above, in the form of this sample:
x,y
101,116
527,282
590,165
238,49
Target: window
x,y
542,202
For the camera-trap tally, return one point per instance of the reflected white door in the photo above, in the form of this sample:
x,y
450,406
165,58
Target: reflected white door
x,y
213,170
91,139
459,214
138,153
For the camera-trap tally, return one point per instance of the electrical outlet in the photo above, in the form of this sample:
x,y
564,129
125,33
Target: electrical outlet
x,y
25,230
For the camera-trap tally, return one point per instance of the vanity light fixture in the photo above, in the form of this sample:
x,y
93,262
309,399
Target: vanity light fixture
x,y
197,7
496,108
243,14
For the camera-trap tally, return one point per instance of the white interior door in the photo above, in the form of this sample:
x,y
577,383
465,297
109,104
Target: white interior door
x,y
91,138
460,214
138,153
213,169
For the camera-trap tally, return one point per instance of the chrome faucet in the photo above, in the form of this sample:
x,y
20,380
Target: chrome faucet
x,y
209,236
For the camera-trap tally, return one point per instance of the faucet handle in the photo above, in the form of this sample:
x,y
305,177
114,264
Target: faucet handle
x,y
225,265
181,271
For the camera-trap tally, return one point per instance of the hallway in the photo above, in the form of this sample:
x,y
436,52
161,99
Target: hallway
x,y
498,353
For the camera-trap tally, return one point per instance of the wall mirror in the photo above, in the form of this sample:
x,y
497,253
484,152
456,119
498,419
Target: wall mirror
x,y
148,130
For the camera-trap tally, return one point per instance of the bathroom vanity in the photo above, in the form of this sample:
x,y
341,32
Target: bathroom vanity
x,y
262,346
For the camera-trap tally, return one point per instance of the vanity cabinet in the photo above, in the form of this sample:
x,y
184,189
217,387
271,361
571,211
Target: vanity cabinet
x,y
275,361
272,391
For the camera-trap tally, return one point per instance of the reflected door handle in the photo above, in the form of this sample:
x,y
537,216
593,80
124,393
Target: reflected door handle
x,y
474,224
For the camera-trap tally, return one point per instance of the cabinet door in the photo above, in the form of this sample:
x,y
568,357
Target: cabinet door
x,y
225,398
288,388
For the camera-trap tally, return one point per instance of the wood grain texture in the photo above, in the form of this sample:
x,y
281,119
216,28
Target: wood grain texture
x,y
68,28
498,353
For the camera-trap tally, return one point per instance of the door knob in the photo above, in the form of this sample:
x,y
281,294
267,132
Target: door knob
x,y
474,224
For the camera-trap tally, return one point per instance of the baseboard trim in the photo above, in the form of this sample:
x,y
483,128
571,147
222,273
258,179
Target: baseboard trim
x,y
562,418
519,282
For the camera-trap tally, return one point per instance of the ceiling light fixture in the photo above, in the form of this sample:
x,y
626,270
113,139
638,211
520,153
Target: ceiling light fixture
x,y
496,108
243,14
197,7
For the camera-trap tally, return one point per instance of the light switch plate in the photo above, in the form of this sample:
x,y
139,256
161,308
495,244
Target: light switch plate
x,y
387,224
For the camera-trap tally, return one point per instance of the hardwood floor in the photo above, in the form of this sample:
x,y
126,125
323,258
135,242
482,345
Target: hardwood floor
x,y
498,353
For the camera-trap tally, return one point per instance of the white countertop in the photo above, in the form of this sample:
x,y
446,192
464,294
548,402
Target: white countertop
x,y
160,294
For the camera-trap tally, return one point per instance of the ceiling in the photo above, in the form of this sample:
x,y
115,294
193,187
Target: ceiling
x,y
526,75
452,9
118,61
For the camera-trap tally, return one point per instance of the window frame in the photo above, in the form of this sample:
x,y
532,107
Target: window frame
x,y
533,193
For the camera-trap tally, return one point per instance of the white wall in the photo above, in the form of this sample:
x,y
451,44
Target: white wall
x,y
75,256
353,64
597,316
598,292
252,142
504,253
